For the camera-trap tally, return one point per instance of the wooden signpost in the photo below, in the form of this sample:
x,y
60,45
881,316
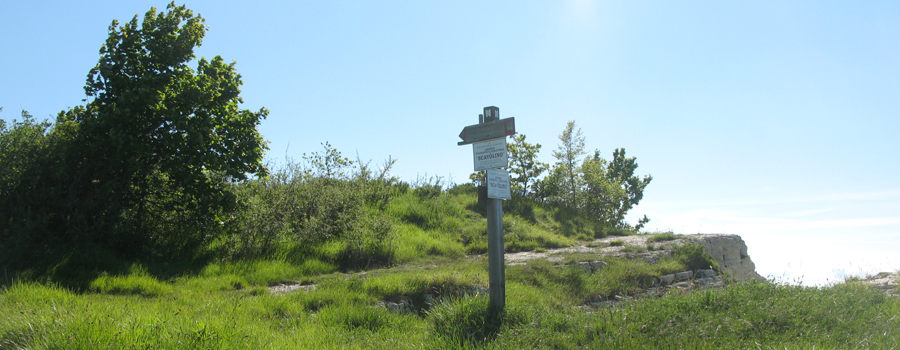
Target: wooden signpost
x,y
489,152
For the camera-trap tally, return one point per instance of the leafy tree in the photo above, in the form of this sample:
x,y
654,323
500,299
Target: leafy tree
x,y
611,188
20,145
158,136
30,165
524,168
600,196
550,188
567,154
621,170
145,164
158,114
603,190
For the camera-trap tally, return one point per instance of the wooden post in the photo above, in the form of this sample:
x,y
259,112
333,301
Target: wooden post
x,y
491,127
496,270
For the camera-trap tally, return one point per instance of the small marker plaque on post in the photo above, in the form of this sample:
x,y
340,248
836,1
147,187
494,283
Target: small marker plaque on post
x,y
498,184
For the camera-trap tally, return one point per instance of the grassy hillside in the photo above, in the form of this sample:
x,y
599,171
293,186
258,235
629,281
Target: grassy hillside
x,y
358,245
228,306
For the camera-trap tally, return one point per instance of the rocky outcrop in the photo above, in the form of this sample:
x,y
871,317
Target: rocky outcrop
x,y
684,281
730,252
289,287
887,282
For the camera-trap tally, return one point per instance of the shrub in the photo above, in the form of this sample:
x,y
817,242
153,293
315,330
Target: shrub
x,y
693,257
30,204
302,214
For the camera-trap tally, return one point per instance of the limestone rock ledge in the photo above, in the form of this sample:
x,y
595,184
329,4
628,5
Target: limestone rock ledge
x,y
730,252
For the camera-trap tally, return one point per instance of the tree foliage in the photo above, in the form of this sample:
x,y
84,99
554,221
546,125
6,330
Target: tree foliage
x,y
31,168
565,171
23,143
600,189
159,115
611,189
162,137
145,163
524,167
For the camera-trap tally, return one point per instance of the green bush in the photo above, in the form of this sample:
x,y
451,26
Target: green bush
x,y
694,257
299,214
31,173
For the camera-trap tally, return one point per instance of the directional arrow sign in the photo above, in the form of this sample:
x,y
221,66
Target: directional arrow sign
x,y
488,130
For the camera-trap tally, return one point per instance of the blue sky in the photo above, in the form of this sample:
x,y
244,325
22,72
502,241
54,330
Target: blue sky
x,y
775,120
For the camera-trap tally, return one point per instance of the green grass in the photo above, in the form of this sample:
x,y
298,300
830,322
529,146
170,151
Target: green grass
x,y
414,242
661,237
138,284
521,235
544,310
595,244
92,300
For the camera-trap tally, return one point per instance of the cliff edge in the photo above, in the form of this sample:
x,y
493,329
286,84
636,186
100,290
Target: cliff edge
x,y
729,251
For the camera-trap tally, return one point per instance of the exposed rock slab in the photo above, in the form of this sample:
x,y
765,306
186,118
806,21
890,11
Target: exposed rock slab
x,y
289,287
887,282
729,251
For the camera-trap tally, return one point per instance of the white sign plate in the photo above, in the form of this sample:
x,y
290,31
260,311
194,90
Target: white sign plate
x,y
490,154
498,184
